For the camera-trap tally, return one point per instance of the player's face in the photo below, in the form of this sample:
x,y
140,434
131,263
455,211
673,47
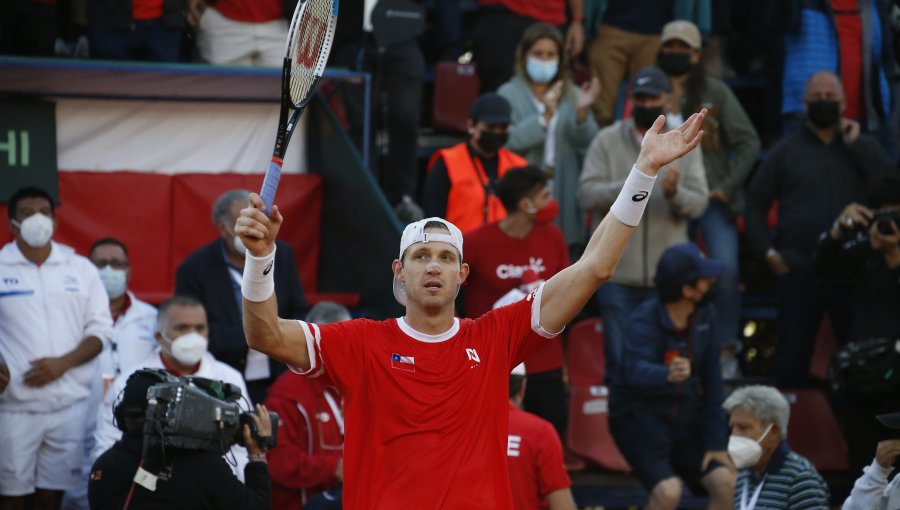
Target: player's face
x,y
432,273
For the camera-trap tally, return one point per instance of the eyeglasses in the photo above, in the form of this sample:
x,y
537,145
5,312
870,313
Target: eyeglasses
x,y
114,263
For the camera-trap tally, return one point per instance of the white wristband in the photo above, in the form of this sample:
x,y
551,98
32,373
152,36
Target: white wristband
x,y
629,206
258,283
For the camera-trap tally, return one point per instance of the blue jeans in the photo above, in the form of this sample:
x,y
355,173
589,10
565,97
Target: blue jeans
x,y
617,302
721,238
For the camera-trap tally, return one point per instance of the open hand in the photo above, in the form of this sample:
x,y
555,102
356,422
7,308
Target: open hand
x,y
587,93
658,149
257,230
44,371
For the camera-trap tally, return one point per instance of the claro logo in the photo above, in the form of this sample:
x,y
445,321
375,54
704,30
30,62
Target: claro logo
x,y
507,271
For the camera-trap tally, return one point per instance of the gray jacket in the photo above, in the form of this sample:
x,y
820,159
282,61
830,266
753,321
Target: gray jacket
x,y
608,162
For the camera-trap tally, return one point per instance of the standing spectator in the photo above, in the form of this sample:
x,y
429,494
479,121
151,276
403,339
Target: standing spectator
x,y
534,456
307,459
136,29
398,75
28,28
866,251
872,491
501,23
551,120
853,39
683,196
770,474
516,255
134,323
54,320
181,336
730,146
665,410
461,179
627,40
240,32
212,275
813,174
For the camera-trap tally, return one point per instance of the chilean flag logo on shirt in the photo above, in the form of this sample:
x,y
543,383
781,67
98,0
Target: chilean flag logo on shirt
x,y
399,362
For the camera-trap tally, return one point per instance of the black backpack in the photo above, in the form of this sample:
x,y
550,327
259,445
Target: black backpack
x,y
867,366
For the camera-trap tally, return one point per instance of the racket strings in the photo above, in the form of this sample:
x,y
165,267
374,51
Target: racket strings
x,y
310,46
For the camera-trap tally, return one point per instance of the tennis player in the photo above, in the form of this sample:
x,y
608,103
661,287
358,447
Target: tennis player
x,y
426,394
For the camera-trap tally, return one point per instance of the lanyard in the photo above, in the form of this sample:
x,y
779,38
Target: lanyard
x,y
752,505
487,183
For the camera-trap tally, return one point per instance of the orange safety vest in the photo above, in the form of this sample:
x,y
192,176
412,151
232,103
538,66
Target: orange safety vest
x,y
472,202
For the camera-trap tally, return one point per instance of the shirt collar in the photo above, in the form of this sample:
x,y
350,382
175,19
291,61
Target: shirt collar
x,y
777,460
11,254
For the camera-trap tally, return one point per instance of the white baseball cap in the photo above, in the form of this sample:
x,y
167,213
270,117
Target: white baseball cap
x,y
415,233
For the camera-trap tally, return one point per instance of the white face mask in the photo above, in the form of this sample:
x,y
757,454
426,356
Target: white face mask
x,y
745,452
114,281
189,348
35,230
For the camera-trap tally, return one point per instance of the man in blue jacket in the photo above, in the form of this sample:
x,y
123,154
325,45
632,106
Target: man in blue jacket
x,y
666,404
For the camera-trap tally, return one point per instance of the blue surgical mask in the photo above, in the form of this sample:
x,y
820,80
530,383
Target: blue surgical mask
x,y
541,71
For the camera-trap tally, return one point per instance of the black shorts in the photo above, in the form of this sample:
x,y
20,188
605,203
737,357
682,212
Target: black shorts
x,y
657,451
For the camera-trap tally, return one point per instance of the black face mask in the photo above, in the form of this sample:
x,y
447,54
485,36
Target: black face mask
x,y
674,64
824,113
645,117
491,142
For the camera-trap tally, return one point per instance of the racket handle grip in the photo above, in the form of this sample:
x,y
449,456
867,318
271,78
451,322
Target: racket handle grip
x,y
270,184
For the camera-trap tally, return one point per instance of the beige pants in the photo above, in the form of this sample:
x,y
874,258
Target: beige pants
x,y
223,41
610,55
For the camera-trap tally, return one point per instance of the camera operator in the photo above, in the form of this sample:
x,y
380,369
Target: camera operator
x,y
123,477
872,491
863,247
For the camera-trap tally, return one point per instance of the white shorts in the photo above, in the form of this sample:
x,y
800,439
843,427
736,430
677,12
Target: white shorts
x,y
42,450
223,41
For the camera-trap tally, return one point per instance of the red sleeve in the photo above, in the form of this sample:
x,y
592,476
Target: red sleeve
x,y
552,473
335,350
519,324
290,464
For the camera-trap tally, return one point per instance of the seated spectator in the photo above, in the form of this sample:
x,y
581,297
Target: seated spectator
x,y
865,250
872,491
123,477
136,29
507,260
308,457
54,321
182,337
551,120
212,275
501,23
681,195
770,474
730,148
461,179
134,323
665,410
852,39
537,474
812,174
240,32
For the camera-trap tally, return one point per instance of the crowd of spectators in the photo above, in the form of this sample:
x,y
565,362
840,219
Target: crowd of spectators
x,y
570,88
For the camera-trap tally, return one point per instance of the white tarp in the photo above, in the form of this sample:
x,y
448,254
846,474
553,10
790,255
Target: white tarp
x,y
171,137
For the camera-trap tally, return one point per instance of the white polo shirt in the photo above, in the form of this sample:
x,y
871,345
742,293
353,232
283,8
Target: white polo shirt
x,y
132,338
47,311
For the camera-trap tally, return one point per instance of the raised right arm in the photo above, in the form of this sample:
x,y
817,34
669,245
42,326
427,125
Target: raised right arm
x,y
279,338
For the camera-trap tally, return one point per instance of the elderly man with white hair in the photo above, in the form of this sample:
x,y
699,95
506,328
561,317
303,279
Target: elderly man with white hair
x,y
770,475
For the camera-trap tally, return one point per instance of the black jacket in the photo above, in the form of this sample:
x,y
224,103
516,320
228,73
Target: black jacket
x,y
117,14
812,183
204,275
199,480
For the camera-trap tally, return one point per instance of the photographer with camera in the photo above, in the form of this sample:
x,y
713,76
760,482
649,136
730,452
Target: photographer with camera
x,y
863,247
141,471
872,491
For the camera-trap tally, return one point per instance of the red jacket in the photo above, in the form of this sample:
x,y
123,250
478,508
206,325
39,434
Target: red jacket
x,y
310,442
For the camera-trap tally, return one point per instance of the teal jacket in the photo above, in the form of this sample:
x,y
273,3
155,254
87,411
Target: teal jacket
x,y
527,137
698,11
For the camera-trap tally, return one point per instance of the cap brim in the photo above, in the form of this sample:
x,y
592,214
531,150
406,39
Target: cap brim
x,y
646,89
712,268
399,289
494,120
890,420
681,38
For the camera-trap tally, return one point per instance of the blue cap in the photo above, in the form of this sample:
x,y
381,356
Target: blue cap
x,y
651,81
683,264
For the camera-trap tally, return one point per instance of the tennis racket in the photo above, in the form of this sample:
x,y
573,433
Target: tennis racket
x,y
308,44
